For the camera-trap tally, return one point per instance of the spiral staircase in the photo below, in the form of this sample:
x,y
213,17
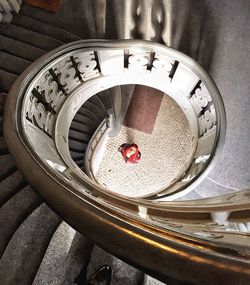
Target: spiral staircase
x,y
207,245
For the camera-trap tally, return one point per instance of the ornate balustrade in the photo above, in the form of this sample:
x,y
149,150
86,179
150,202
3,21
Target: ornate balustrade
x,y
198,241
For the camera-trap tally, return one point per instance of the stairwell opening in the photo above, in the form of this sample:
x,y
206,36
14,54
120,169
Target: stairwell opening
x,y
157,124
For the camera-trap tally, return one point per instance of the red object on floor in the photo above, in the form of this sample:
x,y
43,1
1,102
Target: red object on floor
x,y
130,152
143,109
50,5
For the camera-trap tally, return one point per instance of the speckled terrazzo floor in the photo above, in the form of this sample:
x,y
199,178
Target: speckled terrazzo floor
x,y
165,153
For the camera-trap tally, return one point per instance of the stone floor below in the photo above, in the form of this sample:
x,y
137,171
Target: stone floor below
x,y
164,154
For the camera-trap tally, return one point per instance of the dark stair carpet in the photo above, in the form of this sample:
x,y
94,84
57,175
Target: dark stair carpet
x,y
29,229
6,80
20,49
24,253
30,37
12,63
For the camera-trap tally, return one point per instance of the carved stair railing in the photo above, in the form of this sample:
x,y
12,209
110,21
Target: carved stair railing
x,y
202,241
7,7
96,143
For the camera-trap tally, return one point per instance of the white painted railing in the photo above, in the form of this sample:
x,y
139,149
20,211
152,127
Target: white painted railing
x,y
208,235
7,7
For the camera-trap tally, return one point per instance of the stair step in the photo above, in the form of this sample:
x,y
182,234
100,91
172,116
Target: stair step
x,y
7,165
77,146
85,122
1,126
78,257
80,163
98,103
6,80
76,155
106,99
193,195
20,49
90,113
122,273
76,18
11,185
30,37
3,97
80,128
3,147
15,211
12,64
78,136
68,251
6,17
51,270
44,28
94,109
26,249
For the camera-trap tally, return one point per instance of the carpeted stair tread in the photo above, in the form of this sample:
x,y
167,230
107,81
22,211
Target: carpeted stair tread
x,y
86,121
94,109
11,185
89,112
76,155
143,109
74,16
3,97
3,146
7,164
30,37
6,80
26,248
77,146
68,251
1,126
122,273
106,99
83,168
78,258
44,28
14,212
84,129
164,153
80,163
20,49
78,136
2,102
12,64
98,103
